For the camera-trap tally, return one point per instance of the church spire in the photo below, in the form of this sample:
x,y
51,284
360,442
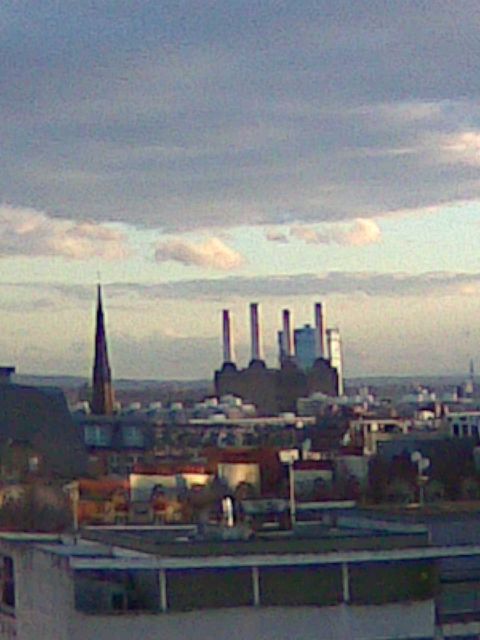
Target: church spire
x,y
102,390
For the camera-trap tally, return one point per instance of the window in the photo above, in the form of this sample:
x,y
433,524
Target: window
x,y
381,582
114,591
33,463
296,586
113,463
133,436
97,435
7,582
458,600
209,588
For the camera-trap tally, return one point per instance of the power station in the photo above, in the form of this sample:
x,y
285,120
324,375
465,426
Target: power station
x,y
310,362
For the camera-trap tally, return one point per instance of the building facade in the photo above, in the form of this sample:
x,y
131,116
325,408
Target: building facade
x,y
334,348
81,590
274,391
305,346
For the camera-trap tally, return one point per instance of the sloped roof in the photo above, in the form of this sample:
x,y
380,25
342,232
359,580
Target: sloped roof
x,y
40,417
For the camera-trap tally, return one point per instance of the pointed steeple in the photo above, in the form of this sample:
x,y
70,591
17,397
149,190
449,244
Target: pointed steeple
x,y
102,390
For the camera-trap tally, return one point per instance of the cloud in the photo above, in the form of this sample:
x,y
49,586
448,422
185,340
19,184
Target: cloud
x,y
462,147
272,235
177,119
308,235
362,232
333,283
27,232
211,254
31,306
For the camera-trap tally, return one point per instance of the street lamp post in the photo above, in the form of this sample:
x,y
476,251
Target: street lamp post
x,y
289,457
73,491
422,465
291,481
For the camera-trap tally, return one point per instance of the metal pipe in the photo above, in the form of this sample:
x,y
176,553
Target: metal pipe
x,y
291,483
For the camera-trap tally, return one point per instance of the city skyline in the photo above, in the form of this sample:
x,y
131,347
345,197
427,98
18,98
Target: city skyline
x,y
204,155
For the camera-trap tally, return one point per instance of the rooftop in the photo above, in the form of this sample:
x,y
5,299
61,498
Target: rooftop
x,y
345,534
84,553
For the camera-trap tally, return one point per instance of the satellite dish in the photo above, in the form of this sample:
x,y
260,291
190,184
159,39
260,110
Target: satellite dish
x,y
424,464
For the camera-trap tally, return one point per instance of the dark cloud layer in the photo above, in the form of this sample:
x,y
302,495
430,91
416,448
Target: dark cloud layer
x,y
387,285
187,114
333,283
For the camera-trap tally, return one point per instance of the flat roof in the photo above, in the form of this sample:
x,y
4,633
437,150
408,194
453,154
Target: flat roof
x,y
247,560
314,537
86,554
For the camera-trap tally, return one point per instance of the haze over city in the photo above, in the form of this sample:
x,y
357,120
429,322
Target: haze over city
x,y
200,155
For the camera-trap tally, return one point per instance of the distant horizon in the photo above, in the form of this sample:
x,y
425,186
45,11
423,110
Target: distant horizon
x,y
348,379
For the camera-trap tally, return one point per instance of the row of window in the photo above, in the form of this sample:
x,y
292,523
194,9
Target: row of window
x,y
101,435
465,430
192,589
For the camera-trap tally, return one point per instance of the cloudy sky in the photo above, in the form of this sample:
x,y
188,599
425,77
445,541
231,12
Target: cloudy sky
x,y
201,154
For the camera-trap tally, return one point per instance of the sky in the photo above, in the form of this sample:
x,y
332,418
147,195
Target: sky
x,y
197,155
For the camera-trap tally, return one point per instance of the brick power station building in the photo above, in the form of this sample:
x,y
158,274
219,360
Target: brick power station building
x,y
276,390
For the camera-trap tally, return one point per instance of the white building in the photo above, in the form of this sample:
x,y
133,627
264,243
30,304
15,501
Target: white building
x,y
305,346
462,424
60,589
367,432
334,348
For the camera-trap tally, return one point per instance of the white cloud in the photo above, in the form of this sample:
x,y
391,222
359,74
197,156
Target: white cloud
x,y
272,235
362,232
28,232
308,235
399,112
461,147
211,254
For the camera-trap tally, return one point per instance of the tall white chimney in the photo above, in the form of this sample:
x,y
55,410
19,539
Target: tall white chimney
x,y
335,355
287,334
320,331
255,332
227,337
